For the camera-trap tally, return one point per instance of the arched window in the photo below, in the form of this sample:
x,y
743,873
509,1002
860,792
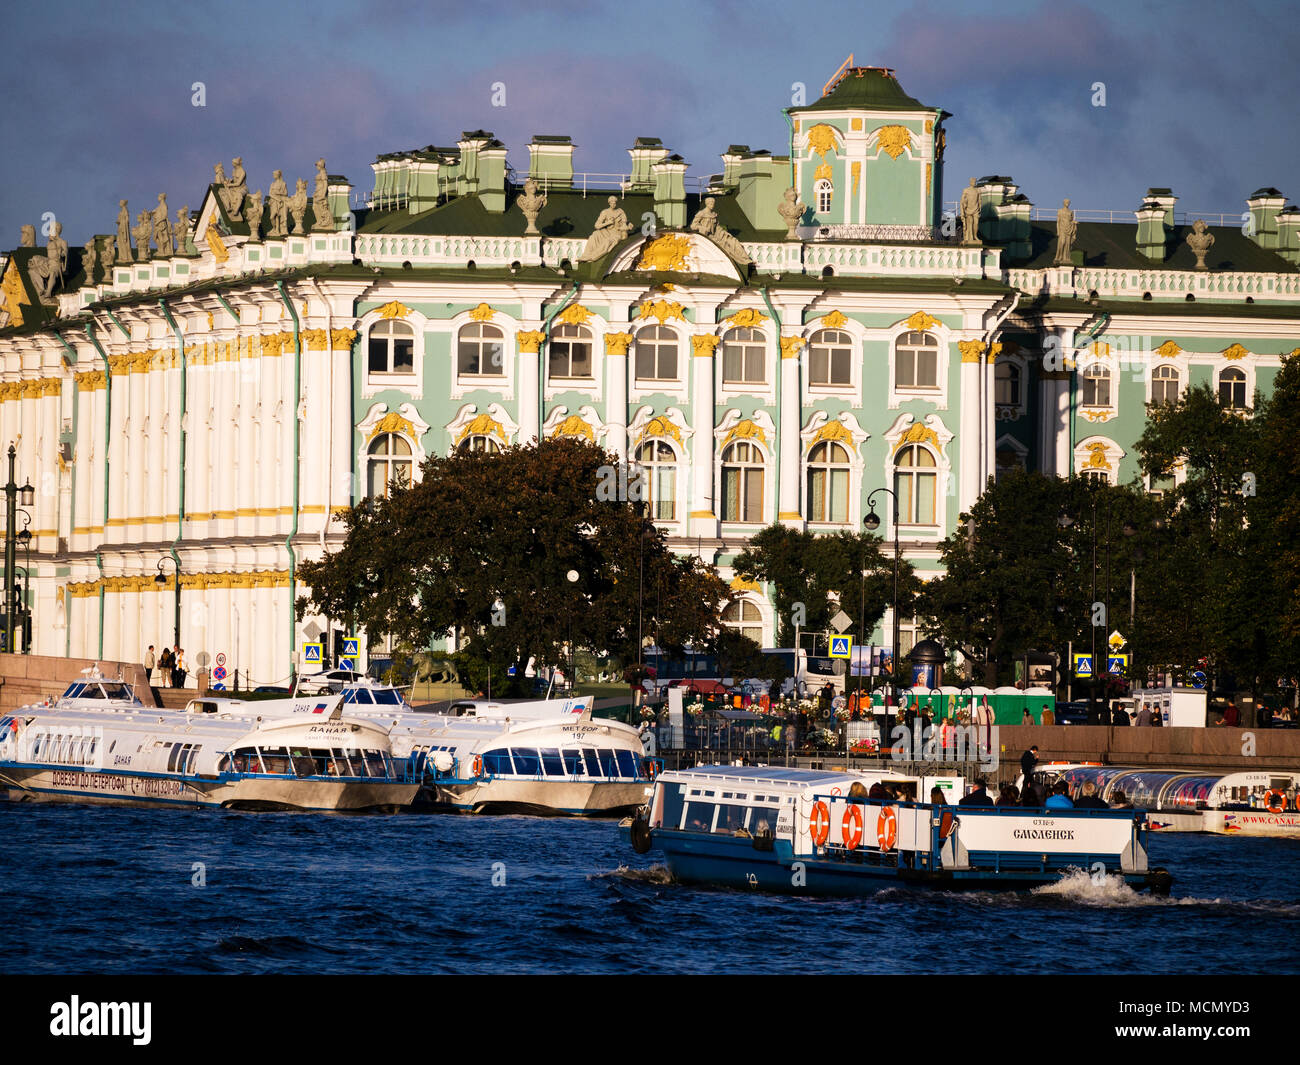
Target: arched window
x,y
659,463
390,347
1096,385
1164,384
744,617
742,483
825,193
478,443
570,351
388,462
828,483
1006,384
916,361
480,350
1232,388
830,358
915,482
1097,476
1007,460
744,357
656,354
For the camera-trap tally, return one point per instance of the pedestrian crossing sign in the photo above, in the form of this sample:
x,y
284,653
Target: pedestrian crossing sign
x,y
311,653
349,648
1083,665
1118,663
841,646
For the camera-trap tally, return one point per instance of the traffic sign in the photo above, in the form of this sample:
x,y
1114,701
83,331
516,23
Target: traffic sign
x,y
841,646
350,647
221,658
1083,665
219,673
311,653
1117,664
218,687
511,671
1116,640
841,621
346,662
1198,679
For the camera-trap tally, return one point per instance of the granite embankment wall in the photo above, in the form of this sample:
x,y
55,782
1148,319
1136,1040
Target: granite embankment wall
x,y
28,679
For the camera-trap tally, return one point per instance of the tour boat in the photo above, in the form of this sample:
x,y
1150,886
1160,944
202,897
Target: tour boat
x,y
1258,803
816,832
94,750
539,756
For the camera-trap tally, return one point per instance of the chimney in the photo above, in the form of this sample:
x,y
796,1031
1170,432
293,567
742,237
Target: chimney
x,y
1166,199
492,176
1013,223
731,159
760,184
1288,235
670,191
994,190
1151,232
550,162
339,191
1265,205
470,144
645,152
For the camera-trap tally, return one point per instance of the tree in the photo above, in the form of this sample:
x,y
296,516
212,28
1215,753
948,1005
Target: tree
x,y
482,546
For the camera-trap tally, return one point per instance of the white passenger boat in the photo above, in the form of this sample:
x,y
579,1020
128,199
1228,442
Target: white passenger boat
x,y
98,744
1259,803
541,756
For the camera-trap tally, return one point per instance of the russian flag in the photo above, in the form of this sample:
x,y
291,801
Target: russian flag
x,y
320,708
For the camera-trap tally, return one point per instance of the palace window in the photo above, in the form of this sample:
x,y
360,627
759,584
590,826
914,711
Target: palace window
x,y
1232,388
830,358
744,357
1161,486
388,462
1008,460
915,483
1096,476
480,350
825,193
659,467
478,443
828,483
1164,384
391,348
744,617
1096,386
570,352
1006,384
656,354
916,361
743,469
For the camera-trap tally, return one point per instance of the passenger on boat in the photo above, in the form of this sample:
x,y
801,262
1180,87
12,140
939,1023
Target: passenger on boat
x,y
858,790
1060,797
878,791
978,796
1030,795
1089,799
1119,801
1008,795
936,797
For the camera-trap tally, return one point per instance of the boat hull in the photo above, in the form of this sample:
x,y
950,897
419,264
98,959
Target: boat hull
x,y
554,797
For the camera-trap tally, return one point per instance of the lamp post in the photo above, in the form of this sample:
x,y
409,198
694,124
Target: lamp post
x,y
572,578
160,579
24,611
871,523
12,492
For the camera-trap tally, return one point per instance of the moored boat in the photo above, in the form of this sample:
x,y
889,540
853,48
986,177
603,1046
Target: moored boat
x,y
817,832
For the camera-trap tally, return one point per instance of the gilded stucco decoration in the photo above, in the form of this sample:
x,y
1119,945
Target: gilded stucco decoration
x,y
137,584
790,347
739,584
855,124
529,341
894,139
747,319
574,314
215,244
393,422
90,381
13,296
394,309
823,173
483,425
833,430
1097,459
745,429
918,433
668,253
834,320
703,346
574,425
821,139
921,321
971,350
855,169
1098,414
662,310
482,313
1168,350
617,343
1235,351
661,425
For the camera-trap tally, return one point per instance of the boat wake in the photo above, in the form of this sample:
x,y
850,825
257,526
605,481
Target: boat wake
x,y
656,874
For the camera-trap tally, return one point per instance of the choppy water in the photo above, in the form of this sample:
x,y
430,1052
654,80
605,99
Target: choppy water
x,y
93,890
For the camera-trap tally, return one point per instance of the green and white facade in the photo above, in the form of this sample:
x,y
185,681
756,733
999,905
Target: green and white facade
x,y
221,406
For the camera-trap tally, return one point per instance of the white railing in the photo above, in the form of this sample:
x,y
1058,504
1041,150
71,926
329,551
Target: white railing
x,y
1087,214
1161,284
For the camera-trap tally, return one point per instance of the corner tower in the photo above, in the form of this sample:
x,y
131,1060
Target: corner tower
x,y
867,153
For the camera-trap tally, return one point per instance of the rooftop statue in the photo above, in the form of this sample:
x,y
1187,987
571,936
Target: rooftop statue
x,y
278,201
323,217
48,269
89,260
706,224
254,214
612,228
1200,242
110,253
233,192
183,227
970,214
28,238
162,228
791,208
1066,230
123,233
143,235
531,204
298,207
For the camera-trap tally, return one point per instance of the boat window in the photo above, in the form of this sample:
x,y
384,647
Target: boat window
x,y
762,819
730,817
375,763
572,761
497,762
116,691
593,762
304,765
699,816
674,803
388,697
276,760
551,763
349,762
609,763
171,758
526,761
627,766
74,691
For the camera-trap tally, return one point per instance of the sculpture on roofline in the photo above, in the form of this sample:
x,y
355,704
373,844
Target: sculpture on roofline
x,y
143,236
970,214
531,203
1200,242
298,207
162,228
184,228
612,228
89,260
791,209
110,253
232,192
706,224
47,270
322,216
123,233
254,215
1066,230
278,201
28,238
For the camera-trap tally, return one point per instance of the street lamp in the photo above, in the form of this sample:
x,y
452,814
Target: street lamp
x,y
12,493
572,577
871,523
160,579
24,612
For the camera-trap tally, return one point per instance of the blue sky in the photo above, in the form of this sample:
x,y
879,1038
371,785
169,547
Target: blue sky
x,y
97,97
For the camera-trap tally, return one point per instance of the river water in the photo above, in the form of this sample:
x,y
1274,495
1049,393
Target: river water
x,y
103,890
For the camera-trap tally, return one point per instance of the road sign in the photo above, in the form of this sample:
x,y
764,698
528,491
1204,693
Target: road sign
x,y
221,658
1083,665
841,646
218,687
841,621
1116,640
346,662
511,671
1198,679
350,648
1117,664
219,673
311,653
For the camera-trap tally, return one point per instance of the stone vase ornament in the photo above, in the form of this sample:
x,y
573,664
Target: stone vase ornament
x,y
1200,242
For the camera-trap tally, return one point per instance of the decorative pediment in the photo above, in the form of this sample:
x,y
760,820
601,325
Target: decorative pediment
x,y
586,424
670,253
1235,351
1168,350
842,429
394,309
677,252
470,421
735,426
646,424
405,420
574,314
907,430
1097,453
748,318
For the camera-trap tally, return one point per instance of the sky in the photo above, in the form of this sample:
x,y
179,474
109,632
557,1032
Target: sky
x,y
99,101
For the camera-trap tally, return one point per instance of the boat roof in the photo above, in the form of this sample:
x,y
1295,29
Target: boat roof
x,y
766,774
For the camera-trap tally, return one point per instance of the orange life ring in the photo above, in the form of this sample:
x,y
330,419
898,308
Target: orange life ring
x,y
851,827
1274,801
651,768
887,828
819,823
476,767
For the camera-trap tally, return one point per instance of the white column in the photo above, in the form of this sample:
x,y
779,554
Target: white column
x,y
530,414
1064,445
968,435
990,421
787,434
703,518
344,487
616,360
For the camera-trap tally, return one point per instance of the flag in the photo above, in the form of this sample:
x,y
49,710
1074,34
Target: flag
x,y
320,708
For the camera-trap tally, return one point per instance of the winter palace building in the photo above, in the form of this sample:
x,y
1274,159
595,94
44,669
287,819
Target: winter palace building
x,y
771,343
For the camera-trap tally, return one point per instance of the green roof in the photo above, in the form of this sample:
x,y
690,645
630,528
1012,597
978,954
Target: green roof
x,y
866,89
